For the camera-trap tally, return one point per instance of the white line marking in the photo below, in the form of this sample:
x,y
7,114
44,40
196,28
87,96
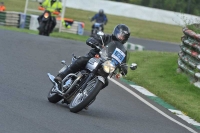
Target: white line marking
x,y
150,105
184,117
143,90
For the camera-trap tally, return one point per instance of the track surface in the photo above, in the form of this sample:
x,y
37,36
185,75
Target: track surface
x,y
25,61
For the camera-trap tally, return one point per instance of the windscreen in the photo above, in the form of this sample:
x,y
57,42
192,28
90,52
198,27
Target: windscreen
x,y
114,50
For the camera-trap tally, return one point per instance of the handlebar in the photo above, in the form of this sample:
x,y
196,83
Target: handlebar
x,y
95,47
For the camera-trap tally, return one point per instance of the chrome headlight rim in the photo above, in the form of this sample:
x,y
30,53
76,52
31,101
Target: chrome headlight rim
x,y
108,66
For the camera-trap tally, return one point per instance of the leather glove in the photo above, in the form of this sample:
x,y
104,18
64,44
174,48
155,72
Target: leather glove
x,y
93,52
92,42
124,70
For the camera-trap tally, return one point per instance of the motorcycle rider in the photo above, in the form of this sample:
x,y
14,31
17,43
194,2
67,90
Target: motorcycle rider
x,y
99,18
120,33
51,6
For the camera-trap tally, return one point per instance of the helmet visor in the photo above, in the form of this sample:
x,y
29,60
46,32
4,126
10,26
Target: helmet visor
x,y
120,34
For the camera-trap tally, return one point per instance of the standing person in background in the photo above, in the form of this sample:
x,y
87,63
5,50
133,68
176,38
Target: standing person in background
x,y
2,7
99,18
52,6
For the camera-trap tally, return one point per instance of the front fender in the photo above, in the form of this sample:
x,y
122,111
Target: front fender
x,y
102,79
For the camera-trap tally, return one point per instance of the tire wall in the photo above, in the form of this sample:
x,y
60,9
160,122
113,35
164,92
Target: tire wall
x,y
189,56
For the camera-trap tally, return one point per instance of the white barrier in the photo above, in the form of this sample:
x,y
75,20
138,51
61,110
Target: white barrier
x,y
34,22
134,11
131,46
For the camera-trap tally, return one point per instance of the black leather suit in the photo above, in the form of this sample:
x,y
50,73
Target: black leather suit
x,y
81,62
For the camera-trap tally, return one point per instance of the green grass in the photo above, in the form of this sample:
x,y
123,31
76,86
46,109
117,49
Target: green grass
x,y
157,73
139,28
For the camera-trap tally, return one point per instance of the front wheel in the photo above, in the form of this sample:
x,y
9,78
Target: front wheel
x,y
53,97
83,99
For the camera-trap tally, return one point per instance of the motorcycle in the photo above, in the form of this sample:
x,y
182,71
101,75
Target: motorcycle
x,y
45,24
46,21
97,27
79,90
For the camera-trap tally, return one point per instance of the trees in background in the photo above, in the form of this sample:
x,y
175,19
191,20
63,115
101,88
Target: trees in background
x,y
184,6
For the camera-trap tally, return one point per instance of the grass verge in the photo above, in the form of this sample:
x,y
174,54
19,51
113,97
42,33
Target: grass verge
x,y
158,75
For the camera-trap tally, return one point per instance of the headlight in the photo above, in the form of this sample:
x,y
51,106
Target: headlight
x,y
108,67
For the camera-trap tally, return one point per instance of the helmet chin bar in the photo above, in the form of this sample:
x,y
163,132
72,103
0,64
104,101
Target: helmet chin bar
x,y
120,37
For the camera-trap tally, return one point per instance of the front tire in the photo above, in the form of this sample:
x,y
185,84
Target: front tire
x,y
53,97
44,29
83,99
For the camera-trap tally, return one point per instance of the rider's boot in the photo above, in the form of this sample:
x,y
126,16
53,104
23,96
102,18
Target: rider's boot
x,y
79,64
58,79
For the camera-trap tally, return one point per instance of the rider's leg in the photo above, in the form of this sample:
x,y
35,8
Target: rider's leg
x,y
79,64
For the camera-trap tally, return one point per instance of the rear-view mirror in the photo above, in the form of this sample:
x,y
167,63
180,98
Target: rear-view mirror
x,y
133,66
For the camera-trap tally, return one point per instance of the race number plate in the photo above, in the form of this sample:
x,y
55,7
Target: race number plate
x,y
118,55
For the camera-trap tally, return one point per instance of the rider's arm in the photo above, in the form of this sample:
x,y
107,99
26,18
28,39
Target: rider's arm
x,y
93,18
97,39
105,19
92,42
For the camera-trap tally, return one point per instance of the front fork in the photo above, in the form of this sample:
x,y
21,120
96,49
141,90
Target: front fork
x,y
91,75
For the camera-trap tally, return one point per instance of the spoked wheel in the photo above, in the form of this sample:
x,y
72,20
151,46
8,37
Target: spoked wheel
x,y
83,99
53,97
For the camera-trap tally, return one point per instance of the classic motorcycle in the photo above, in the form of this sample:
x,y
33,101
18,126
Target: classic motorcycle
x,y
46,21
45,24
79,90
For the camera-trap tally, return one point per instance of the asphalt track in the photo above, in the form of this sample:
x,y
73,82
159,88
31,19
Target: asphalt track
x,y
25,60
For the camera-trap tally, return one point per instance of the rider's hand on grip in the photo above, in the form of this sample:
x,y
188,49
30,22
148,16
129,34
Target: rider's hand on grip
x,y
92,42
